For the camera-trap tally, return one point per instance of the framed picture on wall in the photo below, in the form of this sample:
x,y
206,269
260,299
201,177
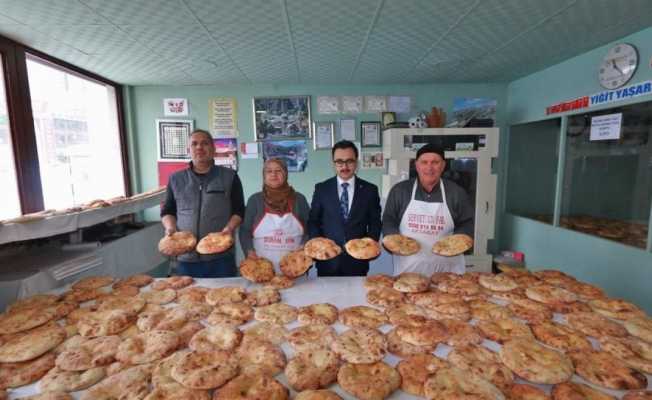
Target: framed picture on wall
x,y
277,118
293,152
323,135
172,139
370,134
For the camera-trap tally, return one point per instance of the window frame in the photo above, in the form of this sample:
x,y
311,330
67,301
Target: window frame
x,y
21,121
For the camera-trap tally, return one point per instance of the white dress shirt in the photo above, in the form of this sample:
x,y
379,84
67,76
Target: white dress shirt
x,y
350,189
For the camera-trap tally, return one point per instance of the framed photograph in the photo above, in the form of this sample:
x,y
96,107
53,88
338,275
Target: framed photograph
x,y
387,118
323,135
172,139
372,160
226,152
285,117
347,129
370,134
293,152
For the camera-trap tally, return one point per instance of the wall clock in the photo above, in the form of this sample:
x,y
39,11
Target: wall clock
x,y
618,66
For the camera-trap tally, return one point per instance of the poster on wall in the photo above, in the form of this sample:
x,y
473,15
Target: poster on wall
x,y
372,160
293,152
175,107
226,152
473,113
223,116
172,139
285,117
249,151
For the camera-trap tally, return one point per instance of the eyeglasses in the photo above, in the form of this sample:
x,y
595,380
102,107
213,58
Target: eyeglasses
x,y
341,163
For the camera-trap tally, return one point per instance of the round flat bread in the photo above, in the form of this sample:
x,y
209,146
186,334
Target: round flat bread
x,y
137,280
453,245
530,310
603,369
459,286
586,291
401,245
362,316
550,294
82,295
260,357
461,333
378,281
482,362
410,282
595,325
187,332
46,396
416,369
192,294
499,283
509,296
522,391
634,352
579,391
204,370
257,270
177,243
23,373
196,311
545,274
384,297
616,308
173,282
295,263
438,277
458,310
92,282
317,314
263,297
406,314
177,391
488,311
147,347
404,349
431,298
35,301
638,395
132,305
226,294
32,344
322,394
231,313
567,308
321,248
160,297
369,381
453,383
640,327
267,331
311,337
161,374
560,336
104,323
363,248
214,243
24,319
280,282
168,319
216,337
88,354
252,387
312,370
123,291
360,346
502,330
129,384
535,362
428,334
277,313
58,380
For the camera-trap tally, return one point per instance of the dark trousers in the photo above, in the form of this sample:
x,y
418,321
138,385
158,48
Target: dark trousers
x,y
223,267
342,265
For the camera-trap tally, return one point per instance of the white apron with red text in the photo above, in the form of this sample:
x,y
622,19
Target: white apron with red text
x,y
275,235
427,223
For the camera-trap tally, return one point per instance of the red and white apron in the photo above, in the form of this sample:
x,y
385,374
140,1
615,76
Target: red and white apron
x,y
276,235
427,223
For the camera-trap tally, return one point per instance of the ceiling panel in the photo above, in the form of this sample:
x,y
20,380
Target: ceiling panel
x,y
142,12
49,12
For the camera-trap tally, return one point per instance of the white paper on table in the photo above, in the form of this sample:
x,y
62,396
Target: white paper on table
x,y
347,129
249,150
399,104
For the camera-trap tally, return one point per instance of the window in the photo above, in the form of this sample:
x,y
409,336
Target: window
x,y
77,136
10,196
533,155
608,183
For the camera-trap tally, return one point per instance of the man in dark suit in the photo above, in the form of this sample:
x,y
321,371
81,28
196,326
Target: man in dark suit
x,y
344,207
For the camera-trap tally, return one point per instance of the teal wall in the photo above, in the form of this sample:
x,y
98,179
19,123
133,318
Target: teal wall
x,y
622,270
145,105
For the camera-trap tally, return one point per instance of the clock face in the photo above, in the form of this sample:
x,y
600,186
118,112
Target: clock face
x,y
618,66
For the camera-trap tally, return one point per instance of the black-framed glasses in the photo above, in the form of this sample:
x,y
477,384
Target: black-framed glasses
x,y
341,163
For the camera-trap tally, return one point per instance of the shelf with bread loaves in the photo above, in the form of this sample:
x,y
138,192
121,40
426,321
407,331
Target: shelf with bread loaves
x,y
518,334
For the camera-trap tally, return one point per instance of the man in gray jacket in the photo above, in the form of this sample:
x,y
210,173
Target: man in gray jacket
x,y
204,198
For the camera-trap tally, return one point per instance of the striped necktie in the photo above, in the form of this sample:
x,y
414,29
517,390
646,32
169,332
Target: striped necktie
x,y
344,200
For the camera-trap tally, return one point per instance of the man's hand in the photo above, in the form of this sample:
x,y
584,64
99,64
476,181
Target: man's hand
x,y
252,254
169,231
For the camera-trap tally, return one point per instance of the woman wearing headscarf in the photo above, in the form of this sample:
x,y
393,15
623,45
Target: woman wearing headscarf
x,y
275,218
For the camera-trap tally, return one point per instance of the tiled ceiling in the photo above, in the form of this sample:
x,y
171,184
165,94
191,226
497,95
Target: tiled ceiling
x,y
187,42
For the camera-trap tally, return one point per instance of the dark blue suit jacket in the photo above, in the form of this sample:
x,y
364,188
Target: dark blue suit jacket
x,y
326,220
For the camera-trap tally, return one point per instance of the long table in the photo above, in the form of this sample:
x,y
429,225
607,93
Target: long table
x,y
342,292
